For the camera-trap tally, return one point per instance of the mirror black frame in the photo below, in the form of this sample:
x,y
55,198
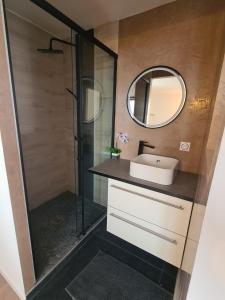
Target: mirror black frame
x,y
184,95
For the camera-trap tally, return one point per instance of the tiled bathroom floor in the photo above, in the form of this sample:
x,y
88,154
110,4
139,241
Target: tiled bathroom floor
x,y
108,278
161,275
55,229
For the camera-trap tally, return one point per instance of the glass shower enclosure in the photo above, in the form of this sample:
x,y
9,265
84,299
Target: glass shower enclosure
x,y
96,94
64,98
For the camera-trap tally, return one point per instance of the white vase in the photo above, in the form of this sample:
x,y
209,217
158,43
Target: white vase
x,y
115,155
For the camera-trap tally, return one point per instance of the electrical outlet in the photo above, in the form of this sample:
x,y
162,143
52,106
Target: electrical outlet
x,y
185,146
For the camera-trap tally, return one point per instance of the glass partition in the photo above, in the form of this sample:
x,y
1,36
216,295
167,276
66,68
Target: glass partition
x,y
96,73
63,84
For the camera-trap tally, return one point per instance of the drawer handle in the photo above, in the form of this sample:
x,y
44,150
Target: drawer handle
x,y
161,236
150,198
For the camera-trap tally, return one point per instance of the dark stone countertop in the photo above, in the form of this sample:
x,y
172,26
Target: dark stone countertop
x,y
184,185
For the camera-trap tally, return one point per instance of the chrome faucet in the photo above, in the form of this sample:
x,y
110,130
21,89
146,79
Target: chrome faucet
x,y
141,146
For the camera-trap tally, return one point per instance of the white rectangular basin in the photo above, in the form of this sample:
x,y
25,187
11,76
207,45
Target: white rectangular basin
x,y
154,168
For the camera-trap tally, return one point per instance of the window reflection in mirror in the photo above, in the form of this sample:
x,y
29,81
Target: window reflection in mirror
x,y
92,100
156,97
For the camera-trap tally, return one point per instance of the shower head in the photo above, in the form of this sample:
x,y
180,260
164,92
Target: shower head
x,y
51,51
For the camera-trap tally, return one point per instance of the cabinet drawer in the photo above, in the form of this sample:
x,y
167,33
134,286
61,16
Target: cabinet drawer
x,y
149,237
163,210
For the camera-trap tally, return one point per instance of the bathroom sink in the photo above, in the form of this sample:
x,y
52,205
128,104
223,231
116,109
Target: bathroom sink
x,y
154,168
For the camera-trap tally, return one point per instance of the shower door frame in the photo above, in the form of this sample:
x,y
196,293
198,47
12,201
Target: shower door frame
x,y
53,11
79,121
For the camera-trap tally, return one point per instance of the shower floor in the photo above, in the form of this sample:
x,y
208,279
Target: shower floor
x,y
55,228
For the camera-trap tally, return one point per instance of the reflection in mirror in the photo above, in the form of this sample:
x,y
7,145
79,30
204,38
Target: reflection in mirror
x,y
93,103
156,97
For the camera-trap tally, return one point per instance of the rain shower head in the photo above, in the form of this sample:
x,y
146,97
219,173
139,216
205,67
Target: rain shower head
x,y
50,50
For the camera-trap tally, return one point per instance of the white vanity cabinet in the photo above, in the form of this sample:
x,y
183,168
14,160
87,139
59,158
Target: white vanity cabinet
x,y
152,221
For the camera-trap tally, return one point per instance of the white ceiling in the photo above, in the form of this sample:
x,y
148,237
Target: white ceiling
x,y
87,13
37,16
92,13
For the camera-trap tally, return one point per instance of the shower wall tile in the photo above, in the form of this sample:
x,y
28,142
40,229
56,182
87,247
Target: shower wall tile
x,y
14,178
189,37
40,81
212,142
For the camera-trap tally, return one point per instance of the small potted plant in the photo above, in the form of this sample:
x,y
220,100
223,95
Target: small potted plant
x,y
115,151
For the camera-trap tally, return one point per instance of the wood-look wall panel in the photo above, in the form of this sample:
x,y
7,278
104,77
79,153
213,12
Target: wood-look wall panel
x,y
187,36
45,119
13,164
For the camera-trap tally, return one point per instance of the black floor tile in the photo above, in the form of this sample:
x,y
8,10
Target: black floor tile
x,y
54,287
108,278
130,259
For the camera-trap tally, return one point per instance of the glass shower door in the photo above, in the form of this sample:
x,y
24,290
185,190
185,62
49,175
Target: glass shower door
x,y
95,82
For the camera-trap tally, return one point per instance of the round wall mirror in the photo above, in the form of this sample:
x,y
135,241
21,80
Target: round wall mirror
x,y
93,102
156,97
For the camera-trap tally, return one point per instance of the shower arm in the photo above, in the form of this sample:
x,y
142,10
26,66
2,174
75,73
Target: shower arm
x,y
60,41
72,93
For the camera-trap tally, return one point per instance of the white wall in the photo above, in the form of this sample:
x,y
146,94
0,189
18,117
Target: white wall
x,y
10,266
193,237
208,277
